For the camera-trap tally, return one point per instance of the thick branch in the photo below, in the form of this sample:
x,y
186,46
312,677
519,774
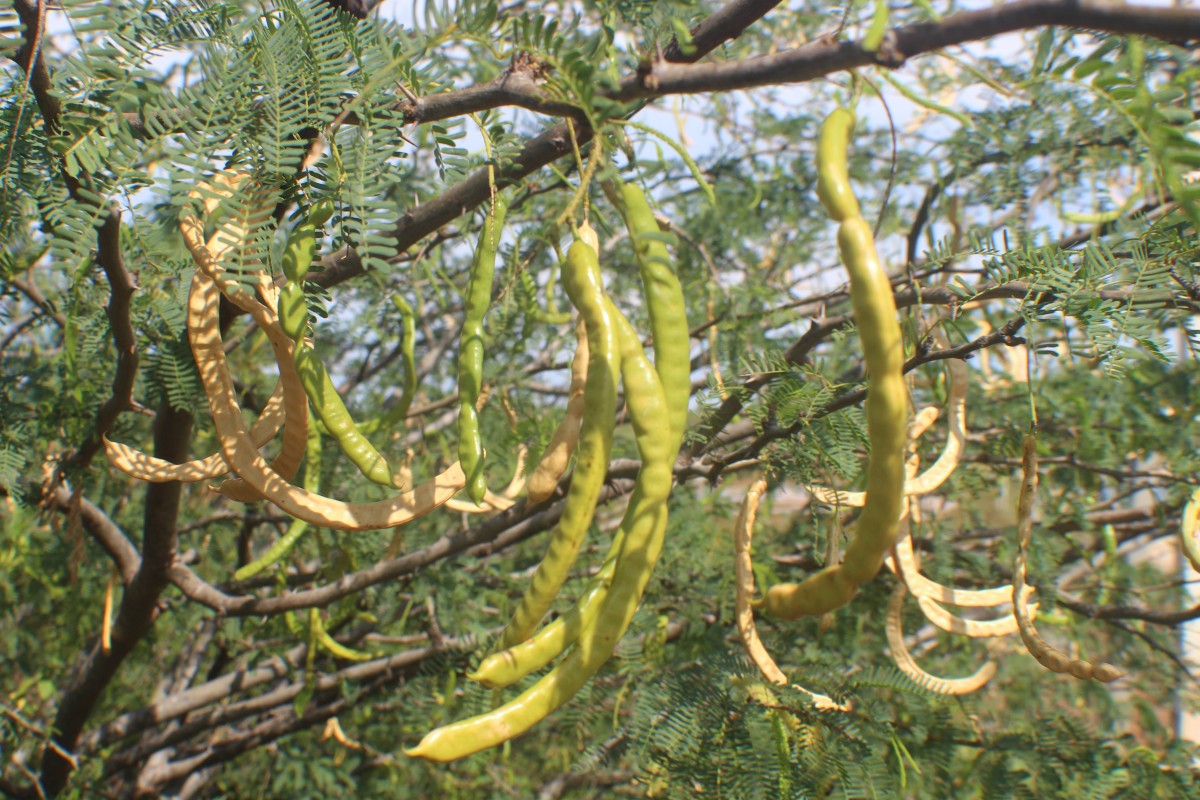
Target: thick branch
x,y
723,25
108,237
282,695
519,85
32,14
106,532
824,56
448,545
537,153
139,604
176,705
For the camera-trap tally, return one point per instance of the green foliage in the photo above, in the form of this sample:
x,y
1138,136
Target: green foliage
x,y
159,98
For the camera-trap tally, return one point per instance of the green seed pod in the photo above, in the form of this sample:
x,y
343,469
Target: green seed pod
x,y
321,211
833,176
301,247
293,311
470,353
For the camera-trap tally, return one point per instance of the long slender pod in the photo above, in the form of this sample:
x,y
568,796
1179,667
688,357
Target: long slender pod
x,y
905,661
470,353
974,628
336,418
1188,541
887,401
507,666
295,406
665,301
399,412
1046,654
145,467
155,470
643,526
204,333
314,378
947,461
664,298
581,278
743,531
904,564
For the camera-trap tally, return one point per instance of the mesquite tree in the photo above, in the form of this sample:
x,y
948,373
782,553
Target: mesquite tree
x,y
232,227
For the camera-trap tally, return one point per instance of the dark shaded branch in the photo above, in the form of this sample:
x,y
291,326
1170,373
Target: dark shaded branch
x,y
723,25
281,696
33,18
139,604
121,293
446,546
176,705
537,153
520,85
1153,615
492,535
1072,461
825,55
674,72
284,723
108,255
106,533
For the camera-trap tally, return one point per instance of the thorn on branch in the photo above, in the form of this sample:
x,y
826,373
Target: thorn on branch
x,y
888,54
646,77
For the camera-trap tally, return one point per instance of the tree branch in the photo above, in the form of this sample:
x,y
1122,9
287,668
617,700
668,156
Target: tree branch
x,y
283,695
537,153
825,55
106,532
108,238
139,604
520,85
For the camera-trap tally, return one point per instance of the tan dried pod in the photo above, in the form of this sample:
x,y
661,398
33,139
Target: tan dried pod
x,y
974,628
145,467
491,502
905,661
1046,654
947,461
545,476
903,563
744,571
295,402
956,432
205,336
517,485
921,422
